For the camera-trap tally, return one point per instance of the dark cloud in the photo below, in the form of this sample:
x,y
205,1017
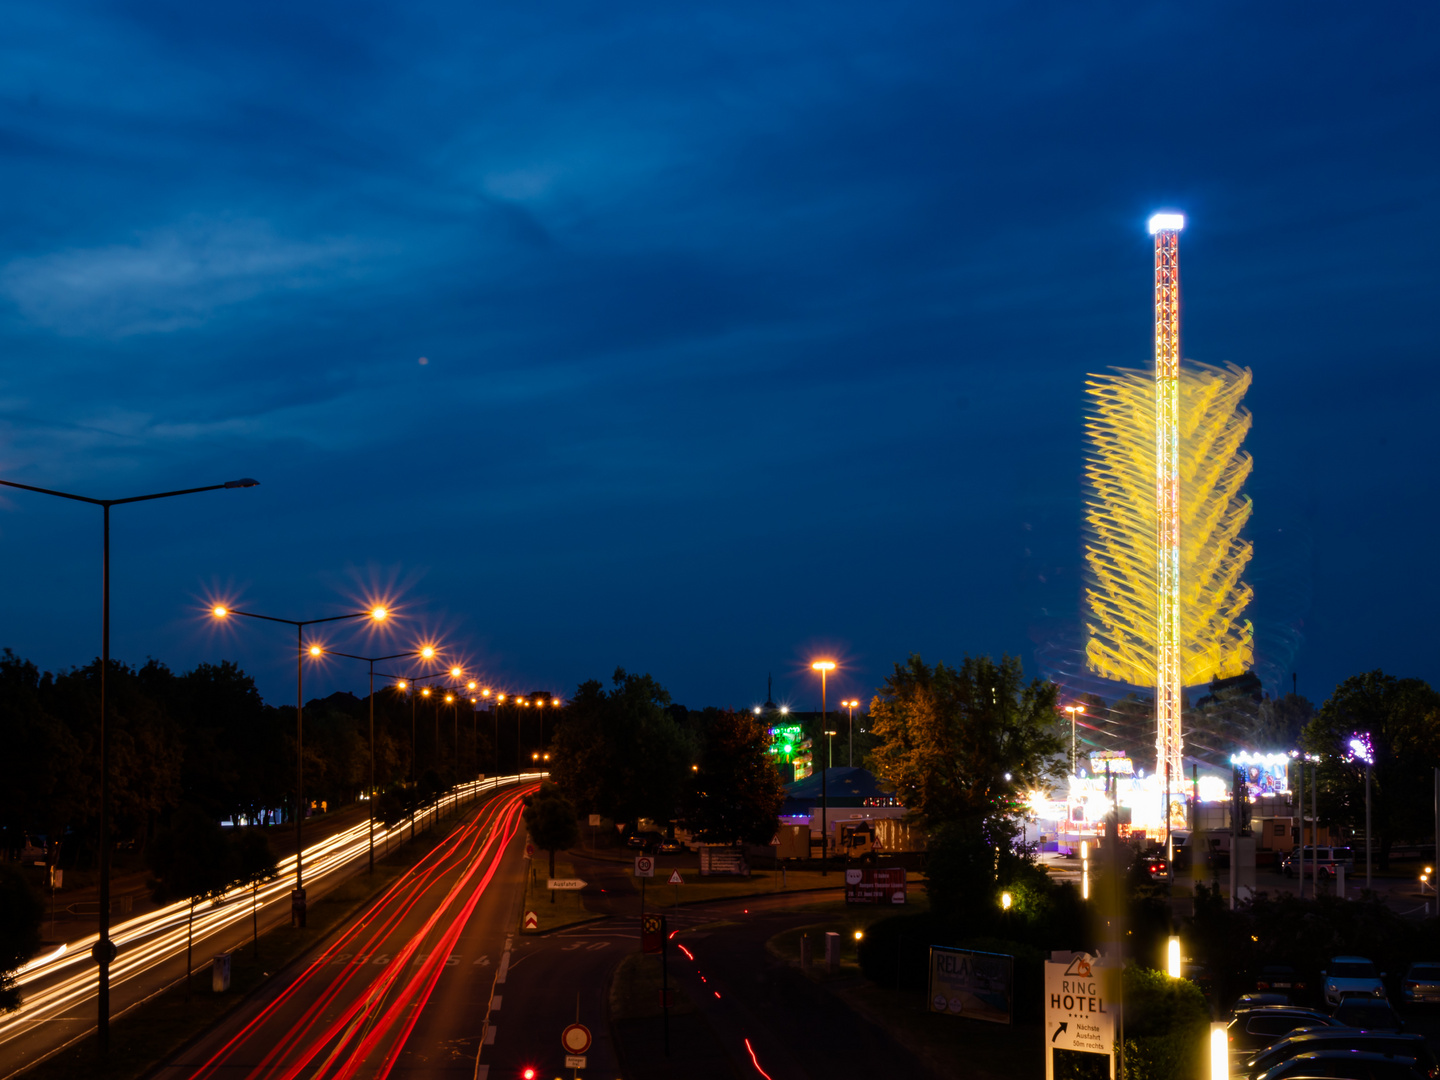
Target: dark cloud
x,y
701,291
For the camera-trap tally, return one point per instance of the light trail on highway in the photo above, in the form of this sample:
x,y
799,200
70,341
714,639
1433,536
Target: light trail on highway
x,y
355,1004
62,983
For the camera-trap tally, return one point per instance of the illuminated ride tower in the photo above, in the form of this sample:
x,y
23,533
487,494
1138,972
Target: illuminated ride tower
x,y
1168,667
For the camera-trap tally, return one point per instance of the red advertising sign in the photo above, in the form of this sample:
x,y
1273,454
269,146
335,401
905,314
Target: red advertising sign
x,y
871,886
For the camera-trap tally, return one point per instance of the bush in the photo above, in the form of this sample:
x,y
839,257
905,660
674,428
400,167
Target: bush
x,y
1165,1026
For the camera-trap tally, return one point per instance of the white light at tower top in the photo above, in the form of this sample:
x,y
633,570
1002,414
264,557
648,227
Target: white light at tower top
x,y
1166,223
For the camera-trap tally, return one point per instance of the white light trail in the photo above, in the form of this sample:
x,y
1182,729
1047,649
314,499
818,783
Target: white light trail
x,y
151,939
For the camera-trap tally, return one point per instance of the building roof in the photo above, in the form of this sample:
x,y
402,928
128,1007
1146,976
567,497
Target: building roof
x,y
844,786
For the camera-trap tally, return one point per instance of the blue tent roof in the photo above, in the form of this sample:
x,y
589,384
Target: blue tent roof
x,y
843,787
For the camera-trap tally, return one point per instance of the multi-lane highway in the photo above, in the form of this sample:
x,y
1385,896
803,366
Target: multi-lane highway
x,y
411,986
60,987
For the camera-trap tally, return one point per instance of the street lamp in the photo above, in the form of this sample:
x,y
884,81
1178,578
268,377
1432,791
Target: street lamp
x,y
372,661
1072,710
104,949
378,614
1360,748
824,667
852,705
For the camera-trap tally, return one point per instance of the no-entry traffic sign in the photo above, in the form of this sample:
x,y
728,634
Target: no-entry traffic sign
x,y
575,1039
644,866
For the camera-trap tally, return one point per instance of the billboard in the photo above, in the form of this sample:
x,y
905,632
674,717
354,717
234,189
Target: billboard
x,y
867,886
979,985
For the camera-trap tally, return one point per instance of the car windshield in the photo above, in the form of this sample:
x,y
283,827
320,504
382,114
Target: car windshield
x,y
1425,972
1353,970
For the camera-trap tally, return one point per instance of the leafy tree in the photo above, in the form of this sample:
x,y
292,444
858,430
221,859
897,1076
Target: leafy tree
x,y
621,753
550,817
1401,717
40,791
961,746
20,915
254,864
192,860
737,791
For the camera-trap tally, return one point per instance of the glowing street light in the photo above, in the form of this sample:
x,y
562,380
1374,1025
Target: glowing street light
x,y
104,949
824,667
1172,958
372,661
376,614
852,705
1073,710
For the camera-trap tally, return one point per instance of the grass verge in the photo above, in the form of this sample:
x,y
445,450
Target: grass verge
x,y
635,990
154,1031
554,910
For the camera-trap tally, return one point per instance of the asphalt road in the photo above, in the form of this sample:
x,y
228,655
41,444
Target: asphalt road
x,y
60,989
406,988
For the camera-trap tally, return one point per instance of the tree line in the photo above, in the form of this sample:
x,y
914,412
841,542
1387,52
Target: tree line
x,y
204,738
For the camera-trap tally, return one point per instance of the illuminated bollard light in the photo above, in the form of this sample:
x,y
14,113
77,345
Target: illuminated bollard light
x,y
1219,1051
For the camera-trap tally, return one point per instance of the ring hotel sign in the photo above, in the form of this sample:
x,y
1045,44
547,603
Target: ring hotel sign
x,y
1080,1008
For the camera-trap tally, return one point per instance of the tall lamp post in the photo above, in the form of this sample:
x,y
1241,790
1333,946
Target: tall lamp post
x,y
376,613
1073,710
372,661
851,705
1360,748
824,667
104,949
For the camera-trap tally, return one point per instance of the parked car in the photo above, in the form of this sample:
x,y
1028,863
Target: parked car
x,y
1252,1001
1422,983
648,842
671,847
1256,1028
1345,1065
1330,858
1339,1038
1368,1013
1350,976
1280,978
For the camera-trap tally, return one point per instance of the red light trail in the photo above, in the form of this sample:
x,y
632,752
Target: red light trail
x,y
358,1020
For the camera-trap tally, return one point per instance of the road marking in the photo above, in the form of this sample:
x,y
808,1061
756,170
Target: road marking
x,y
482,1072
495,1002
490,1035
484,961
504,967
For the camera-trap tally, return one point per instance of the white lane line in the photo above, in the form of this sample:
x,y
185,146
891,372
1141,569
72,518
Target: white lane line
x,y
490,1035
495,1002
504,967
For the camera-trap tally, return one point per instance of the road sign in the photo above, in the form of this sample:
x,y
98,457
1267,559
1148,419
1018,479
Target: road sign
x,y
675,878
565,884
575,1061
576,1040
594,820
532,921
529,850
644,866
652,934
1079,1008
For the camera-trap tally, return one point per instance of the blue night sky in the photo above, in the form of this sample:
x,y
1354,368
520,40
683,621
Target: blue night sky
x,y
747,332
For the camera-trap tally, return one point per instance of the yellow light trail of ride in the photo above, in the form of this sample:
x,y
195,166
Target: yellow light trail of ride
x,y
1122,525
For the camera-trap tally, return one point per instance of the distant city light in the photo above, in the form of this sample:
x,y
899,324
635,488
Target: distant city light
x,y
1166,223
